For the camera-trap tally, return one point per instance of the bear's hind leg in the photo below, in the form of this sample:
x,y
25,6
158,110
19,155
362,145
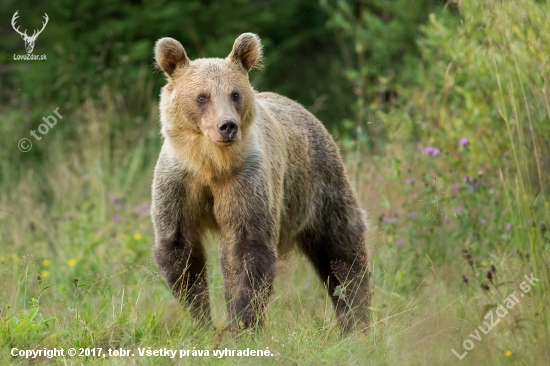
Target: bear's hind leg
x,y
340,260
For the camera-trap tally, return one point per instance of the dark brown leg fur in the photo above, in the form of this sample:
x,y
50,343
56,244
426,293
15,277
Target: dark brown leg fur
x,y
184,267
178,250
339,257
248,283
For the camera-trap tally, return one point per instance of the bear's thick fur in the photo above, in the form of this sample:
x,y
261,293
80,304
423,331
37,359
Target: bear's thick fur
x,y
263,172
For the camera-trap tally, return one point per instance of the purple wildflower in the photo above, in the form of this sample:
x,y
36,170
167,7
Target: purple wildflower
x,y
457,187
412,214
430,150
468,179
113,198
399,243
482,221
116,218
464,141
99,231
410,180
508,227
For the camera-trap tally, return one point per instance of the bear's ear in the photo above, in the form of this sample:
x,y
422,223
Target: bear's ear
x,y
247,51
170,55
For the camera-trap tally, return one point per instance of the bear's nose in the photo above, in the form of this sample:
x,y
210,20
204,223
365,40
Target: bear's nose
x,y
228,128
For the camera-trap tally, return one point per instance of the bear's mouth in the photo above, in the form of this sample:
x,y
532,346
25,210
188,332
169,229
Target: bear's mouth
x,y
224,143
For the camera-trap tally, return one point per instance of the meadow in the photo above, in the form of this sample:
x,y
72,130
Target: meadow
x,y
454,177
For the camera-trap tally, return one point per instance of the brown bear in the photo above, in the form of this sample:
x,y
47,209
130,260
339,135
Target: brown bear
x,y
264,173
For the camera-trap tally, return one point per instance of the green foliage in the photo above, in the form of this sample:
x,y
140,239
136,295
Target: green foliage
x,y
93,44
377,44
482,81
475,77
321,55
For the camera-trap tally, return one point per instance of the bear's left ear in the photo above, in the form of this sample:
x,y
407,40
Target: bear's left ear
x,y
170,55
247,51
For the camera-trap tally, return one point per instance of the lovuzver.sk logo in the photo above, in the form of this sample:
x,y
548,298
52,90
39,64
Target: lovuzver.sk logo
x,y
29,40
501,311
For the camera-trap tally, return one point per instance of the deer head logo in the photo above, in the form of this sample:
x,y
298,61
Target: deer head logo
x,y
29,41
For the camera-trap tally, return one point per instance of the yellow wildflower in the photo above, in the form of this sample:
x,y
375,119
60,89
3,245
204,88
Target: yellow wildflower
x,y
508,353
46,262
44,274
72,262
390,239
137,236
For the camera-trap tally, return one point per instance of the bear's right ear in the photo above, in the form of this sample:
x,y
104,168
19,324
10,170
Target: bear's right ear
x,y
170,55
247,51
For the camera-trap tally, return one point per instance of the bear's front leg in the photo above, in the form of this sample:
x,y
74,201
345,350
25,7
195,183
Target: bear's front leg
x,y
248,266
178,250
183,264
247,254
254,284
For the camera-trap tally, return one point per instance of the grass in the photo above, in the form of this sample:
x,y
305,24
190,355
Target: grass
x,y
454,233
80,221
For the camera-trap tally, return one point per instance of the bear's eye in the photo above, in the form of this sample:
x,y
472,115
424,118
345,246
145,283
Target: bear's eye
x,y
202,98
235,96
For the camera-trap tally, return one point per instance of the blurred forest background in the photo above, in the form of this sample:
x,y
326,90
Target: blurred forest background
x,y
336,58
441,110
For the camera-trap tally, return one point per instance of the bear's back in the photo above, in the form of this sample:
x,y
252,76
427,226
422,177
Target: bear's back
x,y
308,142
313,167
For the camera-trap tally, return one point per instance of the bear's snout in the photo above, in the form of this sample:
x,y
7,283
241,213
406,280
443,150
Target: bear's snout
x,y
228,128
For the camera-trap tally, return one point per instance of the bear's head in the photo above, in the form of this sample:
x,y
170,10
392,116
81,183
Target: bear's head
x,y
207,102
